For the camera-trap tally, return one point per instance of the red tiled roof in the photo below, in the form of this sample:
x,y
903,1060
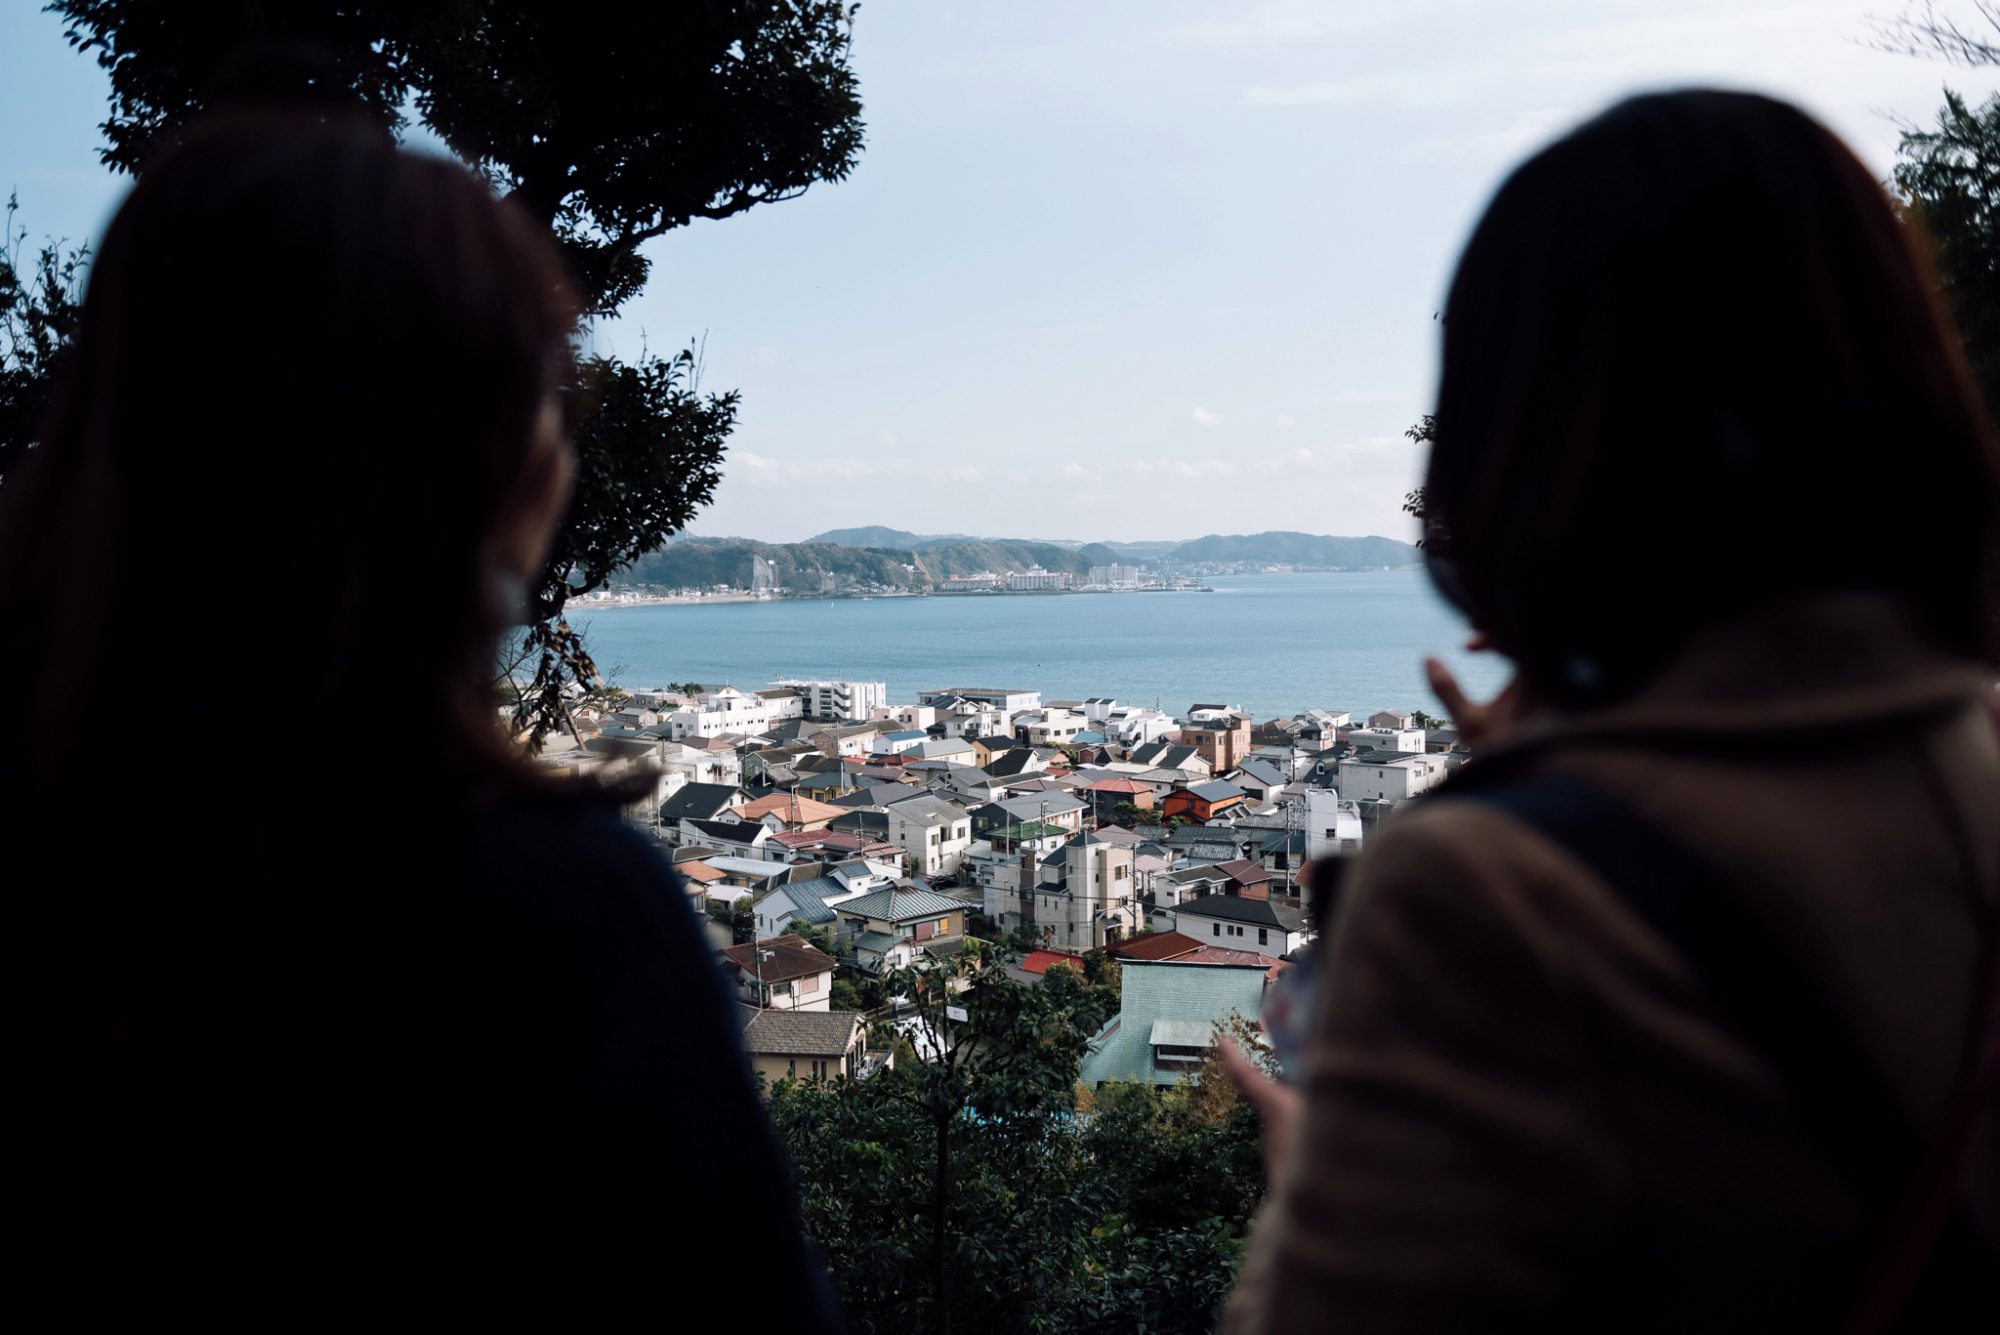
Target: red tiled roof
x,y
1157,946
1120,786
699,872
1244,871
1038,961
1224,955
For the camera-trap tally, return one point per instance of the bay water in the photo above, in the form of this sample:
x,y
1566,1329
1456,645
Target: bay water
x,y
1272,643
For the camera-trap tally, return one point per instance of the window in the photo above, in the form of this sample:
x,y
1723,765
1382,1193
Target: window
x,y
1216,928
1263,937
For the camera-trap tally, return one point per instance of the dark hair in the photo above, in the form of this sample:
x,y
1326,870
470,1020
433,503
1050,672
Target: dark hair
x,y
305,385
1693,363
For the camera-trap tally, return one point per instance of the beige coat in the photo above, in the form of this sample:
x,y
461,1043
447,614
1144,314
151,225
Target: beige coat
x,y
1522,1113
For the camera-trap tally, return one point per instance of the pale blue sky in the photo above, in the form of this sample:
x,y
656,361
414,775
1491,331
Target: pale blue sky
x,y
1126,269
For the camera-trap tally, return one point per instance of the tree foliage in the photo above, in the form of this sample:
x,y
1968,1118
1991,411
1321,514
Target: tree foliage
x,y
41,291
611,124
981,1190
1969,35
1949,178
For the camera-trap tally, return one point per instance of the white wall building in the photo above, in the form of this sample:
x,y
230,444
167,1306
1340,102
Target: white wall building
x,y
1007,702
934,833
1380,778
725,711
1386,739
1333,824
851,701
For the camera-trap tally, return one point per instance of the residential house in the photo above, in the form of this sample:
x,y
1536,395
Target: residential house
x,y
1034,965
804,1045
1154,947
1006,862
1260,780
781,973
1167,1019
901,741
788,813
1385,739
700,801
1089,902
1132,725
809,902
933,832
1171,755
1051,727
1219,735
1011,761
885,929
921,717
1202,801
737,838
1267,926
1107,795
1048,805
951,750
1390,776
846,741
1333,824
725,711
1006,701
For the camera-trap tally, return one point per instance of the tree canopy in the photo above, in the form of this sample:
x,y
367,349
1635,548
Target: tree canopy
x,y
977,1188
1949,177
612,124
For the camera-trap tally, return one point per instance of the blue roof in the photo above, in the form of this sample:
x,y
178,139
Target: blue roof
x,y
1190,997
810,898
1089,739
907,735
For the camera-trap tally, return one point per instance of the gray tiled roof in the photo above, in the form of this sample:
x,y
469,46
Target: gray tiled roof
x,y
1234,908
800,1033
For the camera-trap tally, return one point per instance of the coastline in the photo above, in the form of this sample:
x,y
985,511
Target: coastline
x,y
702,599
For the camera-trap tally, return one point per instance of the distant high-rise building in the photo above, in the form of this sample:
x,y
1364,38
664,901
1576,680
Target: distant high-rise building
x,y
848,700
1037,580
1114,574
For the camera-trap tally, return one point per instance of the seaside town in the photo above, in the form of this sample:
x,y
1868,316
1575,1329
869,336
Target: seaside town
x,y
834,837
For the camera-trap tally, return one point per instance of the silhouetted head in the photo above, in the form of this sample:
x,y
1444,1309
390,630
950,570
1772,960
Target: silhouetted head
x,y
309,440
1693,364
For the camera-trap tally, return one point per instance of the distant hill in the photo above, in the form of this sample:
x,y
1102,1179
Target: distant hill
x,y
814,566
1142,551
1298,549
875,535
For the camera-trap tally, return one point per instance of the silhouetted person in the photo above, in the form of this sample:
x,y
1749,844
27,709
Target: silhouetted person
x,y
345,1014
1663,1014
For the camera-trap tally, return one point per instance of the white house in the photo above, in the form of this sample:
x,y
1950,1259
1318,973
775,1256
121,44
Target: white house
x,y
933,832
1333,824
1241,922
725,711
1386,739
1389,776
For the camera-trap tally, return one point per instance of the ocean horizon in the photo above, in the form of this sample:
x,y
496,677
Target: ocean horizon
x,y
1273,643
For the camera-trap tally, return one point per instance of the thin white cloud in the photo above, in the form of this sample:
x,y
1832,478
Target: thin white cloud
x,y
1203,417
766,356
1286,419
887,438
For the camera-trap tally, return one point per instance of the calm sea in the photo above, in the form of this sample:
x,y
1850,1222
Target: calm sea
x,y
1274,644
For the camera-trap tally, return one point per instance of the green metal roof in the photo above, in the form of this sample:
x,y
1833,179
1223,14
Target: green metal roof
x,y
1191,998
895,904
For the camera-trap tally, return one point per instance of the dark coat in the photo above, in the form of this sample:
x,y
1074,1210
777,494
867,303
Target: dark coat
x,y
1523,1112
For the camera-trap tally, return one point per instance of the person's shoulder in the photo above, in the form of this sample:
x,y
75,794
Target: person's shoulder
x,y
1457,869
